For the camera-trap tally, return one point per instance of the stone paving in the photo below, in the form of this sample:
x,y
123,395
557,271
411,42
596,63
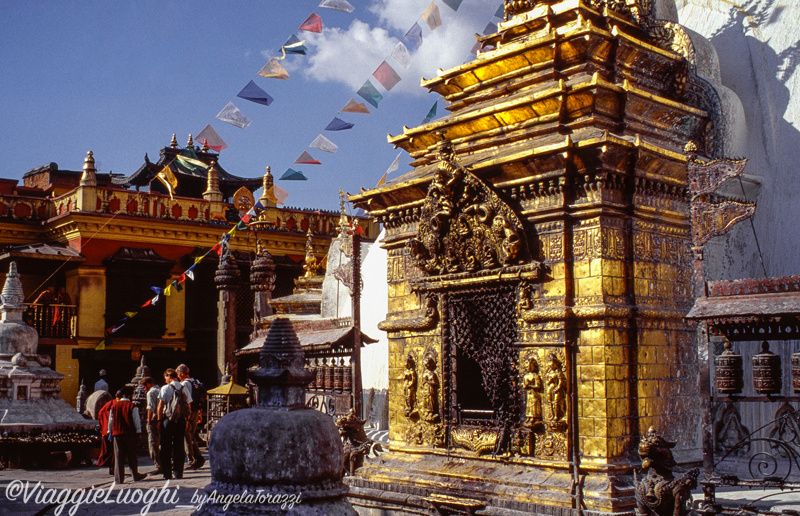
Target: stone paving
x,y
36,492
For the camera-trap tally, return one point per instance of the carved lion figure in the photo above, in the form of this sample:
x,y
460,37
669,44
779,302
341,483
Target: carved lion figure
x,y
658,493
355,442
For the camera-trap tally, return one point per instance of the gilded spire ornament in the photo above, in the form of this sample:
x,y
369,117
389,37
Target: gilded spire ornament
x,y
174,142
89,178
190,143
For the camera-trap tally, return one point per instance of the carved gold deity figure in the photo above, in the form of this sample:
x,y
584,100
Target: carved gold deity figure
x,y
410,385
430,390
532,383
556,389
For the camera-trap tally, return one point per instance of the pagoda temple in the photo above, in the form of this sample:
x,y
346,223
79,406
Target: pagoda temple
x,y
540,263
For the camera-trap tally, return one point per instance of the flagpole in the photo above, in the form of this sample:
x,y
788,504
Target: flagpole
x,y
355,358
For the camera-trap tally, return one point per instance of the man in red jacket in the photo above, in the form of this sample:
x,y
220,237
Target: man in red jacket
x,y
124,425
106,457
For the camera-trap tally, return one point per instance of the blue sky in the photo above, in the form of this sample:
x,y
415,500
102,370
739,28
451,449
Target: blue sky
x,y
119,78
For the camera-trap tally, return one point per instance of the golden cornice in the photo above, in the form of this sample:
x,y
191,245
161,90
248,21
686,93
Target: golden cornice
x,y
494,124
149,231
457,126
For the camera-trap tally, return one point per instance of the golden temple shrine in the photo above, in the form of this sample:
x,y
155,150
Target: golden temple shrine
x,y
540,267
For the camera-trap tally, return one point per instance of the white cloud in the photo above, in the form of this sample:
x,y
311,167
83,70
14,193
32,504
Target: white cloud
x,y
349,56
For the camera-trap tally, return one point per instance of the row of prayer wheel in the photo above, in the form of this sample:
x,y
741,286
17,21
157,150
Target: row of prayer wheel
x,y
336,377
767,376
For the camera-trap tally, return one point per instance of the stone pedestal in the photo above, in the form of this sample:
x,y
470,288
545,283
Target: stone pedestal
x,y
288,458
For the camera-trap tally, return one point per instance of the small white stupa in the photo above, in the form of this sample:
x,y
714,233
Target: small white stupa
x,y
30,400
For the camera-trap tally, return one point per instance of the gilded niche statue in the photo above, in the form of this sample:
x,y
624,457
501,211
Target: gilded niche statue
x,y
556,390
430,389
658,493
532,383
464,225
410,385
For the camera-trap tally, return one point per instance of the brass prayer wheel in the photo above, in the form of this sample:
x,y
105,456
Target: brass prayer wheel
x,y
328,385
796,371
767,371
338,377
319,380
729,373
347,384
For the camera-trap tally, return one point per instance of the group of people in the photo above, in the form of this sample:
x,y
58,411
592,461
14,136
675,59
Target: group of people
x,y
171,423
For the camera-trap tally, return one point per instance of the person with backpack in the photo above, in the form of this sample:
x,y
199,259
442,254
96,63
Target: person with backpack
x,y
173,411
196,393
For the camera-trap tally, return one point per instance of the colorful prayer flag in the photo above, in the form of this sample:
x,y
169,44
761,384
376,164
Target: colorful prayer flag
x,y
157,290
386,75
306,159
131,314
337,124
355,107
168,290
254,93
369,93
432,16
147,303
274,70
312,24
217,249
338,5
453,4
382,180
241,226
190,273
293,45
413,38
324,144
249,215
293,175
190,164
395,164
401,54
178,287
168,179
431,113
101,345
280,194
231,114
213,140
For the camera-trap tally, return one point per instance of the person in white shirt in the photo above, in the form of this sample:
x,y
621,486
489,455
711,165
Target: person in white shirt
x,y
151,395
172,432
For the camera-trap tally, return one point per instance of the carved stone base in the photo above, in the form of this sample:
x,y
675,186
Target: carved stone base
x,y
408,483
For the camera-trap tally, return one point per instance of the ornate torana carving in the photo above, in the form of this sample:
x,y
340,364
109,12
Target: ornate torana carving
x,y
465,226
426,321
659,493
